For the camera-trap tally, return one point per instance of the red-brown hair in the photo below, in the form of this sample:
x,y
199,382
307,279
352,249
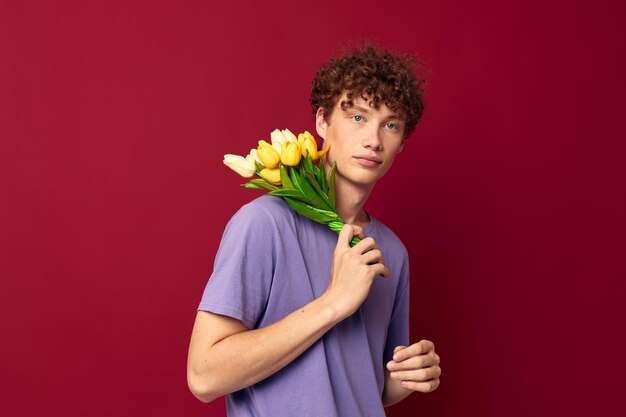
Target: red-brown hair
x,y
375,75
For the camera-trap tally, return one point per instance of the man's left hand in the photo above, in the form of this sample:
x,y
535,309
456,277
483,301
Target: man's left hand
x,y
416,366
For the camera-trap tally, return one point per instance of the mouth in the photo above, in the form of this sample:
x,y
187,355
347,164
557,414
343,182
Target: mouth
x,y
368,160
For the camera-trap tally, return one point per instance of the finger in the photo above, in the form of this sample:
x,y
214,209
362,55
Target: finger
x,y
391,365
373,256
417,375
419,348
416,362
427,386
380,269
398,348
412,363
365,245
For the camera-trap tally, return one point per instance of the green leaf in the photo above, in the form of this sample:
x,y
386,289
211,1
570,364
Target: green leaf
x,y
320,216
331,185
288,193
253,186
308,190
313,182
259,166
308,193
284,178
321,177
308,164
261,184
295,179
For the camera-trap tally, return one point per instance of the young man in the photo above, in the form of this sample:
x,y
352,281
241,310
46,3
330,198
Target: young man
x,y
295,322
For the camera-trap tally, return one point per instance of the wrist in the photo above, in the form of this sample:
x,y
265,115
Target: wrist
x,y
331,308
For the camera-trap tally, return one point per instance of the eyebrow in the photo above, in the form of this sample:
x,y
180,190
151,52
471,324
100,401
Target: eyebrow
x,y
367,111
361,109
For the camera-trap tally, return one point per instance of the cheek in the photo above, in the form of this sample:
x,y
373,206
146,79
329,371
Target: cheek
x,y
390,162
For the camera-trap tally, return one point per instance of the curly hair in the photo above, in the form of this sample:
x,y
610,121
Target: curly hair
x,y
375,75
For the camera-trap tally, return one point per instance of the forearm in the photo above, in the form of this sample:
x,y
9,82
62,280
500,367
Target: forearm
x,y
393,392
244,358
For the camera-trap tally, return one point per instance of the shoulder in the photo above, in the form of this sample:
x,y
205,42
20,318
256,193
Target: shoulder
x,y
263,213
268,204
264,207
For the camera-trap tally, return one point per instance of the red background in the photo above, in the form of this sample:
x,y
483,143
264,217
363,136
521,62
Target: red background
x,y
114,116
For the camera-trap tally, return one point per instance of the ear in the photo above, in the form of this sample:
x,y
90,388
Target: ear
x,y
320,123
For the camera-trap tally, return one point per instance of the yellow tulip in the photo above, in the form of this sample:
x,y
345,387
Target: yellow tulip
x,y
268,155
272,175
307,134
323,151
242,166
290,154
307,143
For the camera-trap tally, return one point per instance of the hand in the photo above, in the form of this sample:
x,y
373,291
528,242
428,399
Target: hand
x,y
416,366
353,270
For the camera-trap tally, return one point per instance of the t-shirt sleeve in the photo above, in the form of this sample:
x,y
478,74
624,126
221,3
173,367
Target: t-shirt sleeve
x,y
398,331
243,270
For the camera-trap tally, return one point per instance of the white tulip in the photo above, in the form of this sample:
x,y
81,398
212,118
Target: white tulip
x,y
253,156
289,136
277,140
242,166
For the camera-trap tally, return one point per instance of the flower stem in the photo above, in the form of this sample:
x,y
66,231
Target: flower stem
x,y
336,226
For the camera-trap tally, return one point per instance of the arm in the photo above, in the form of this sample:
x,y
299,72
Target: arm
x,y
413,368
224,356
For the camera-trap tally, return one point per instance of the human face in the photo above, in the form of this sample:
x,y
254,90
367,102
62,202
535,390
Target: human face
x,y
363,140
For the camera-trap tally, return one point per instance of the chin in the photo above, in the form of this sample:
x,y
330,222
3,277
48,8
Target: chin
x,y
362,180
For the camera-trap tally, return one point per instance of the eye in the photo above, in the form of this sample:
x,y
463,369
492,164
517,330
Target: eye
x,y
357,118
391,126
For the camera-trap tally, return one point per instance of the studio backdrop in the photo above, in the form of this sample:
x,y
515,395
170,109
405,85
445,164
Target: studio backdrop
x,y
509,196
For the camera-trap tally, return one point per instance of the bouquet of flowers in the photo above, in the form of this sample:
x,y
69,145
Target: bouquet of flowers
x,y
287,168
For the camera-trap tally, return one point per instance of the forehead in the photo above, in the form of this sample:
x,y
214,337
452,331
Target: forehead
x,y
365,105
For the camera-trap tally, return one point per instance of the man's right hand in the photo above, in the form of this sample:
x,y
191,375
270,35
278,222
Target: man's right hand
x,y
353,270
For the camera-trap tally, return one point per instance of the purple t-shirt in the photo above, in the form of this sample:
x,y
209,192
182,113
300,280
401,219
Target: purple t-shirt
x,y
272,261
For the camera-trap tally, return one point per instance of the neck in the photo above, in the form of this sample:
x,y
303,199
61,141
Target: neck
x,y
350,199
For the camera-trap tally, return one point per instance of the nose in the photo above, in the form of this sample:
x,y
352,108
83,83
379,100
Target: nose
x,y
372,139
